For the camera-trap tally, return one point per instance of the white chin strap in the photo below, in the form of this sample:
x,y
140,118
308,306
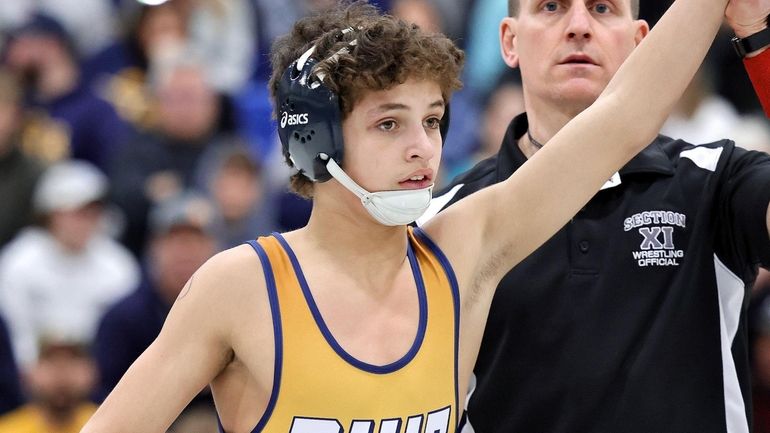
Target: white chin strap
x,y
390,208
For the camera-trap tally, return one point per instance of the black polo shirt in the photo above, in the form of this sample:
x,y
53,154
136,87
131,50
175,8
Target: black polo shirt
x,y
632,318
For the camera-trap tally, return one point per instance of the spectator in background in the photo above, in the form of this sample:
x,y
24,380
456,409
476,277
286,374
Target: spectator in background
x,y
119,72
18,172
317,6
163,162
64,274
272,18
91,22
504,103
67,119
223,32
181,242
10,390
455,18
244,208
58,384
421,12
220,31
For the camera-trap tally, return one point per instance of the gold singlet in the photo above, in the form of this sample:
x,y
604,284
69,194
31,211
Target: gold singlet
x,y
320,388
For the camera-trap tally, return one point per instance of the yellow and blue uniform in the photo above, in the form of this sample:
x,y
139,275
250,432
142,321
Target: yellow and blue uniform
x,y
320,388
30,419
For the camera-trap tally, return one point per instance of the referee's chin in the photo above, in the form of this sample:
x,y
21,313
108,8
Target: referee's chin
x,y
577,94
569,99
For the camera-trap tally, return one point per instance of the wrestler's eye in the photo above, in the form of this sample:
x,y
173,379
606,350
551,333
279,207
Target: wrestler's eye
x,y
433,123
388,125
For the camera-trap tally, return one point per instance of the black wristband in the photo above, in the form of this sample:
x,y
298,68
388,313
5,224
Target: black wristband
x,y
749,44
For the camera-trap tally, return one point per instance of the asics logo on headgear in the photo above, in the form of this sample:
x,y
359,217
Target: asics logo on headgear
x,y
293,119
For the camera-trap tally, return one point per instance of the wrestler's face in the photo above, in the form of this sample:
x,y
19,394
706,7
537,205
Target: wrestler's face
x,y
392,138
568,50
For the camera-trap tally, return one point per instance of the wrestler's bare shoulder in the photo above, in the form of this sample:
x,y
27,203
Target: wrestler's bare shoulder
x,y
229,274
231,286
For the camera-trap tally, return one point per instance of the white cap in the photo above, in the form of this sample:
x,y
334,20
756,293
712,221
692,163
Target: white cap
x,y
69,185
187,209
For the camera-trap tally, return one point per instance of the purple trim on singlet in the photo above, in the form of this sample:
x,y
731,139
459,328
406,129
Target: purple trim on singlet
x,y
371,368
278,335
450,274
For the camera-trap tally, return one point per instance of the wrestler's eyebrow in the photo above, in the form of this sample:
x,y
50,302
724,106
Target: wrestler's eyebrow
x,y
389,106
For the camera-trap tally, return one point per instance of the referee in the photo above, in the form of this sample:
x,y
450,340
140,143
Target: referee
x,y
632,318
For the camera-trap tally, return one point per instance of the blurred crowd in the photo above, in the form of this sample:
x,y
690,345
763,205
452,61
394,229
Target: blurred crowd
x,y
136,141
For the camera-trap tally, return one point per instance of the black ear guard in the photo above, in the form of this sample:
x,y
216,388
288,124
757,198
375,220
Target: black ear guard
x,y
310,120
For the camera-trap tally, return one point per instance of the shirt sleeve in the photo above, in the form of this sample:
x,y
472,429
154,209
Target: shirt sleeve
x,y
18,309
744,198
758,68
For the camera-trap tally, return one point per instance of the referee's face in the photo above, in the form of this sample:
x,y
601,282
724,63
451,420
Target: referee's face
x,y
568,50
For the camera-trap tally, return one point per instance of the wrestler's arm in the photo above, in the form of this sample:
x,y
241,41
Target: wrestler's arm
x,y
193,347
511,219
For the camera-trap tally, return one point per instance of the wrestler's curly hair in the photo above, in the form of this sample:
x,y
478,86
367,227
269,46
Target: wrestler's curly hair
x,y
388,51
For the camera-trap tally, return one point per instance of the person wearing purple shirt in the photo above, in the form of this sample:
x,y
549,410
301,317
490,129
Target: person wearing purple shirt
x,y
66,118
11,396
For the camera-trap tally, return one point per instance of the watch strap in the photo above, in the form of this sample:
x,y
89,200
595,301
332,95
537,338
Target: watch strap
x,y
749,44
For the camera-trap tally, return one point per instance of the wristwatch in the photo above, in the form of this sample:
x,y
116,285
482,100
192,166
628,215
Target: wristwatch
x,y
749,44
